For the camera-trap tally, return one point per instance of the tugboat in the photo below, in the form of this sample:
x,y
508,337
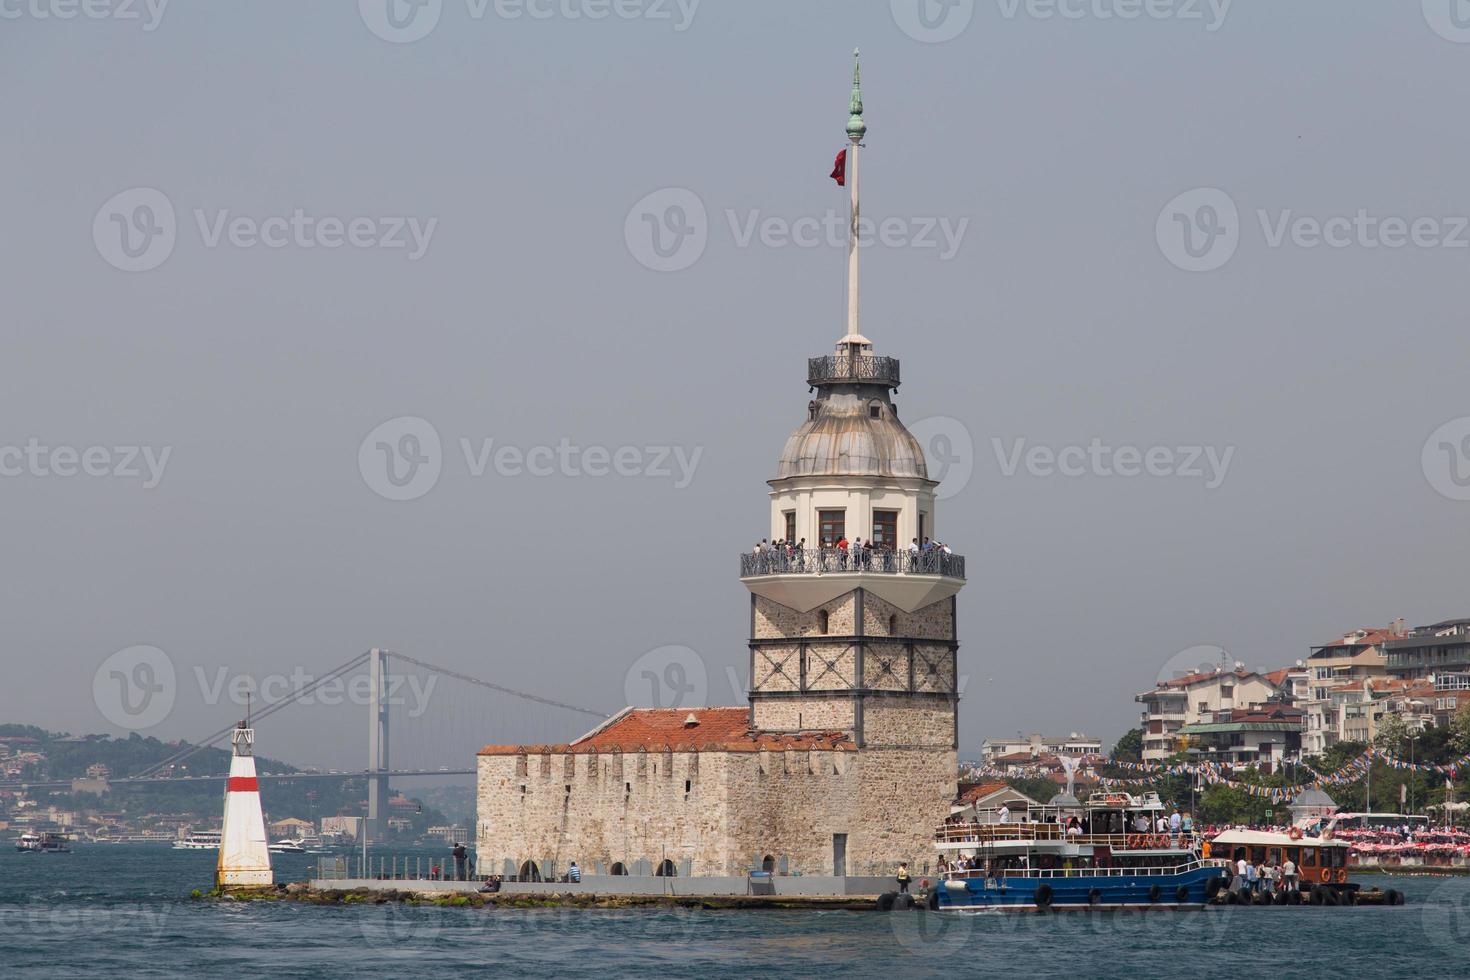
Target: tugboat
x,y
1072,855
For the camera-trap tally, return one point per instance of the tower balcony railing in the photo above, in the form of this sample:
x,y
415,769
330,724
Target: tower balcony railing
x,y
835,560
836,368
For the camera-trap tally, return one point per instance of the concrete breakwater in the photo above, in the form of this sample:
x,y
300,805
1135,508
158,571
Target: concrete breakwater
x,y
594,891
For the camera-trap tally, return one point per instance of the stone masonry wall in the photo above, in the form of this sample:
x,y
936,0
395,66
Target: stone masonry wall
x,y
931,622
773,620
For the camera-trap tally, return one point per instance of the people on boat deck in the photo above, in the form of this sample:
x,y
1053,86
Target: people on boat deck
x,y
1005,813
1140,823
1176,822
1288,875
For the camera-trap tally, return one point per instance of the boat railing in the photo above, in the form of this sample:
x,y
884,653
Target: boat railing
x,y
959,874
995,833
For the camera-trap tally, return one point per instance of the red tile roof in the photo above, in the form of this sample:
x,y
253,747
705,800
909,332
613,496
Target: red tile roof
x,y
660,729
979,791
1372,637
1195,678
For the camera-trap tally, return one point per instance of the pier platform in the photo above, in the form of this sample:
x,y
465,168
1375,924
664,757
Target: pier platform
x,y
850,888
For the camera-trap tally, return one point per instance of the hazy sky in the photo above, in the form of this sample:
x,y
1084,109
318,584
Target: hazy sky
x,y
529,311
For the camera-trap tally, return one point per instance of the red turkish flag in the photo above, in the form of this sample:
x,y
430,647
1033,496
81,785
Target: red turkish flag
x,y
839,169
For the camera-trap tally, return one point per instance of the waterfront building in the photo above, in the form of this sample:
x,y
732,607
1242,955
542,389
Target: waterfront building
x,y
844,759
1195,699
1036,744
1429,651
1267,736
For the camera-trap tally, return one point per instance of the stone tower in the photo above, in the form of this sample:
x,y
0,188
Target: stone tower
x,y
857,641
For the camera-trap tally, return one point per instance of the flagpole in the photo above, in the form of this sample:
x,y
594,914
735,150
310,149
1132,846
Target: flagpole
x,y
856,129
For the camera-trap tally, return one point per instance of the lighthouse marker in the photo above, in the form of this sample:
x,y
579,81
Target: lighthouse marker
x,y
244,853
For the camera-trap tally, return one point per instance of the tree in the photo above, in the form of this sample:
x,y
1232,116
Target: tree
x,y
1393,734
1130,746
1460,728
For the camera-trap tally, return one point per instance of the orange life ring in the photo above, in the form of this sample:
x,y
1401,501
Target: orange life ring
x,y
1326,874
1132,841
1295,833
1160,840
1342,876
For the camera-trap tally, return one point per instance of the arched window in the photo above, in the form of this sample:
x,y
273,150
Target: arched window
x,y
893,625
618,868
666,869
822,621
811,411
529,872
768,864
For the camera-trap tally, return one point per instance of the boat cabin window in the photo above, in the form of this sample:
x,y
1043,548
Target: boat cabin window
x,y
1258,854
1293,854
1273,856
1309,857
1337,856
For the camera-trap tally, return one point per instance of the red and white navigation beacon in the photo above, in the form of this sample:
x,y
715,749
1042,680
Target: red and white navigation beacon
x,y
244,852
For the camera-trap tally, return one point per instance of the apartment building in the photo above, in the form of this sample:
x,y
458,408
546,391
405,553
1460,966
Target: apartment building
x,y
1196,699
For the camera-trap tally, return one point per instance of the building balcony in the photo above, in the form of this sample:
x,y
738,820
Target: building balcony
x,y
842,368
909,580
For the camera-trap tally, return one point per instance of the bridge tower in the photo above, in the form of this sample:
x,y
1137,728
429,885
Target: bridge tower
x,y
376,825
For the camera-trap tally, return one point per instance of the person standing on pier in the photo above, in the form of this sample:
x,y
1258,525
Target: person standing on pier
x,y
903,876
574,874
459,861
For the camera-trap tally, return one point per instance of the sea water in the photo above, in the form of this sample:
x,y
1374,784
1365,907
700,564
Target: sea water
x,y
110,911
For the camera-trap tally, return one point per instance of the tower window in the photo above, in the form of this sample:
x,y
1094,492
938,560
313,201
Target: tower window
x,y
885,529
832,527
822,621
875,410
790,527
893,625
811,411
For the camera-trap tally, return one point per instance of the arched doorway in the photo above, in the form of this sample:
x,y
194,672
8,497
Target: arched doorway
x,y
666,869
768,864
618,868
529,872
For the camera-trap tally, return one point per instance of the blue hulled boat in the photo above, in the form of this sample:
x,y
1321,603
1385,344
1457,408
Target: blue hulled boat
x,y
1072,855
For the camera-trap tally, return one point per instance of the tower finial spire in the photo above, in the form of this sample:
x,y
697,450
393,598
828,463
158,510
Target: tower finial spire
x,y
856,130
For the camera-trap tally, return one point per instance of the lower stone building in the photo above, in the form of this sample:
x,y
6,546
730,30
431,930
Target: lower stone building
x,y
678,792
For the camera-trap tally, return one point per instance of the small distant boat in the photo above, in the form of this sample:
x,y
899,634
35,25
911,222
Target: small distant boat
x,y
287,846
44,843
207,840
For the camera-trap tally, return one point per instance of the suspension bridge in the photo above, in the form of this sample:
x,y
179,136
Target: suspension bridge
x,y
432,719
